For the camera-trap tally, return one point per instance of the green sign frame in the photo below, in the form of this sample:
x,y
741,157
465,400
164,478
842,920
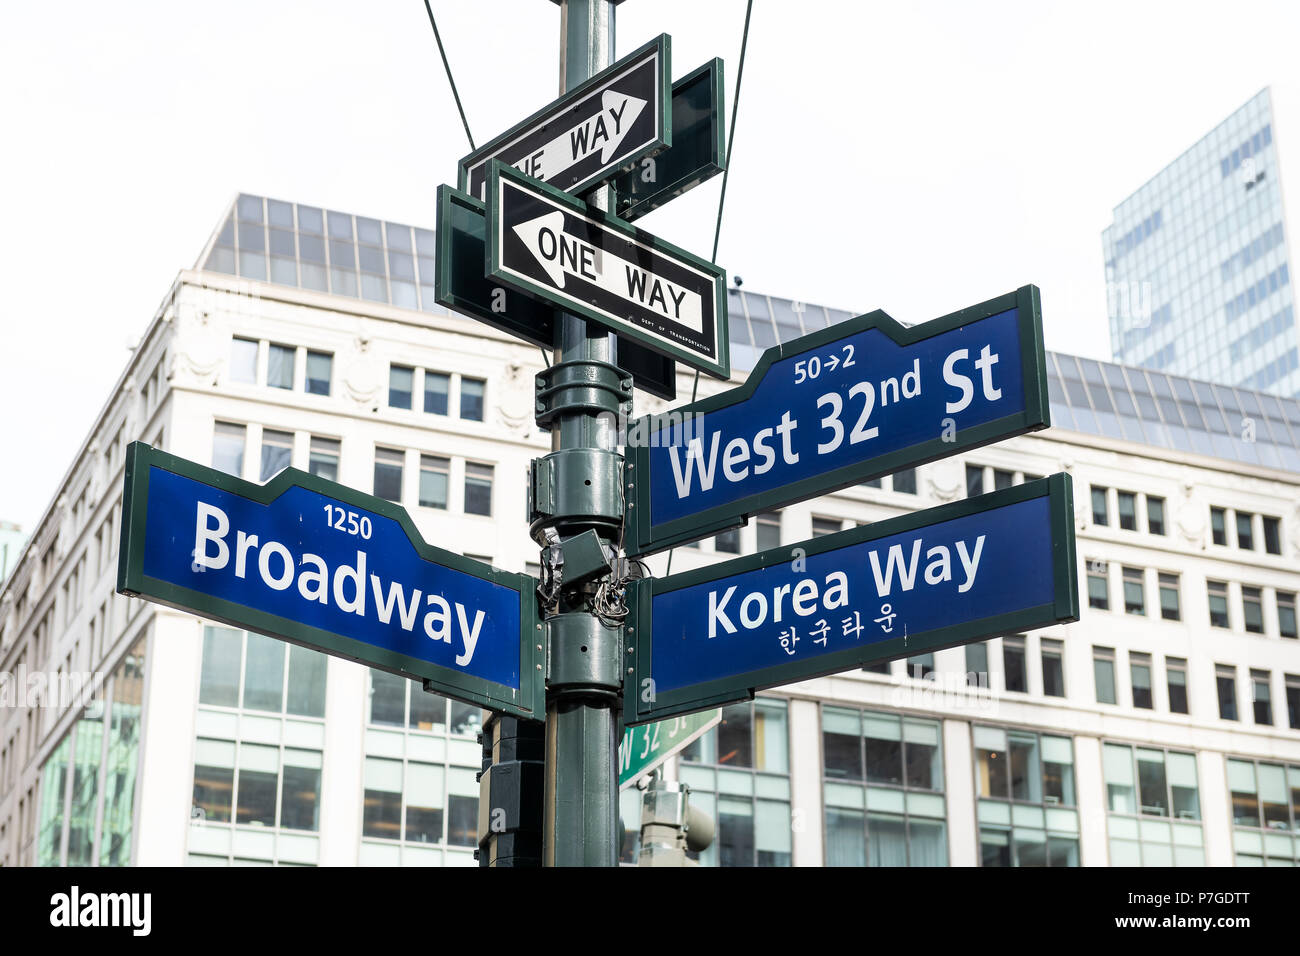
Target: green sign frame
x,y
529,702
698,152
1064,607
718,367
460,285
642,538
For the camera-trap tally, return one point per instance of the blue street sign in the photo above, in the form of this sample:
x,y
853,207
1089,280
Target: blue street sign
x,y
312,562
835,408
921,582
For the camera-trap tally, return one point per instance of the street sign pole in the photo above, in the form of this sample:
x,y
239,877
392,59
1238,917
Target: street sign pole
x,y
585,659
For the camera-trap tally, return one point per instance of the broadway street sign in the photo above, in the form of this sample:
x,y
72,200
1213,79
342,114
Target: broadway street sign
x,y
593,132
308,561
835,408
460,285
576,258
921,582
695,156
646,747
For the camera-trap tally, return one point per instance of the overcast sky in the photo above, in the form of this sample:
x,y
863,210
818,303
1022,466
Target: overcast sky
x,y
915,157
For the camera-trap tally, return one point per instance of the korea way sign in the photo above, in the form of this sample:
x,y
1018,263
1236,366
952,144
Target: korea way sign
x,y
921,582
835,408
579,259
308,561
593,132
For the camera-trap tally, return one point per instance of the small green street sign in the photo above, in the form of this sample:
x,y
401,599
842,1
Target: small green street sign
x,y
647,746
308,561
696,155
461,286
961,572
577,258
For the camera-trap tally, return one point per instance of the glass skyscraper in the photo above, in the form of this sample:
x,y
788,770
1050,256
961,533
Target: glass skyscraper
x,y
1198,276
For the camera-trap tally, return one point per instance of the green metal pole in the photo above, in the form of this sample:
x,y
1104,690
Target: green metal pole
x,y
583,700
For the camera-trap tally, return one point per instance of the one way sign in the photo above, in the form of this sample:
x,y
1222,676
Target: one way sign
x,y
558,249
591,133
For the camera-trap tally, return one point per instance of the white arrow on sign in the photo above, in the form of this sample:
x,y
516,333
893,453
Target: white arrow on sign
x,y
604,131
561,254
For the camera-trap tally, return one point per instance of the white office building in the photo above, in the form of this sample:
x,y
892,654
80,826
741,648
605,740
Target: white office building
x,y
1163,727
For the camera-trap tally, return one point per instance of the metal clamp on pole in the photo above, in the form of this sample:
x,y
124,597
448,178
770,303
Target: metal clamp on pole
x,y
582,386
575,489
584,654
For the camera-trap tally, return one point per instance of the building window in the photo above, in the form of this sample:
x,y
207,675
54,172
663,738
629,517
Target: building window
x,y
921,666
1002,479
1013,663
905,481
435,474
1245,534
1169,609
478,489
1286,617
1272,535
1252,609
1219,525
279,366
437,392
324,458
1103,671
974,480
1140,674
471,398
388,473
739,773
873,483
1053,668
883,790
243,361
1218,592
1143,783
1293,701
1225,676
319,371
1099,505
228,448
1127,510
977,664
1134,591
825,526
1025,790
1155,515
728,542
1098,589
1176,675
401,383
1265,811
767,529
277,452
1261,697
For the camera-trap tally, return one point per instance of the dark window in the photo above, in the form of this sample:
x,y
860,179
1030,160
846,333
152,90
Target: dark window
x,y
1245,533
279,366
921,666
1176,671
1053,671
842,744
1127,510
388,474
1293,702
821,526
435,473
300,793
1098,592
1272,535
728,542
323,458
1013,663
1103,669
1218,603
974,480
1252,610
1261,697
401,382
977,664
1219,525
905,481
319,368
471,399
1099,505
1286,617
478,489
1155,515
1140,673
437,389
1226,680
1134,591
1169,609
768,530
462,820
1002,479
